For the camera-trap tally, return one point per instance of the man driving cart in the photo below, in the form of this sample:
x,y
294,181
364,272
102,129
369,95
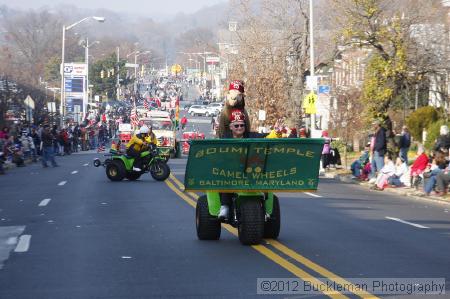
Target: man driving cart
x,y
139,143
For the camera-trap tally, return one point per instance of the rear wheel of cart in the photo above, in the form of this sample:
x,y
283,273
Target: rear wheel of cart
x,y
115,170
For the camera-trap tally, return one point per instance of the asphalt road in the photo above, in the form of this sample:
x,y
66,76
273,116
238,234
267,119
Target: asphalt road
x,y
91,238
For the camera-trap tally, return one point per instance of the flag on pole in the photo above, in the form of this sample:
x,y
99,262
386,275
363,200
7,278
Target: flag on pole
x,y
133,115
101,148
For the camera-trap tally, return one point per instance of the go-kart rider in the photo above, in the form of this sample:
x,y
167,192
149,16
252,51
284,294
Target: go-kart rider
x,y
237,128
139,143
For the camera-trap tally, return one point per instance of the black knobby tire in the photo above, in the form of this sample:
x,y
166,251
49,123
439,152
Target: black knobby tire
x,y
115,170
208,227
251,222
159,170
272,225
132,176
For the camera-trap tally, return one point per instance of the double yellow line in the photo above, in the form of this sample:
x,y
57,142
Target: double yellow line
x,y
191,198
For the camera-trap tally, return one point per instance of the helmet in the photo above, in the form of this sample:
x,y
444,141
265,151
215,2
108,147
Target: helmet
x,y
144,130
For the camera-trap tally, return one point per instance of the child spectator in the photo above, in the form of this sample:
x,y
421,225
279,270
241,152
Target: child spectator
x,y
385,173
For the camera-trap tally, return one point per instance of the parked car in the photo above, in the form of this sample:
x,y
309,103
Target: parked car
x,y
216,106
186,106
200,110
212,111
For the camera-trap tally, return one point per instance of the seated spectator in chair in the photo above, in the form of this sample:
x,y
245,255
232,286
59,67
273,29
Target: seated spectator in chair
x,y
401,175
358,165
418,167
439,164
442,181
385,173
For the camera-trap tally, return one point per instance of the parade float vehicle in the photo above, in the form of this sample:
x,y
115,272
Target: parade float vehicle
x,y
187,137
252,170
125,132
164,131
120,166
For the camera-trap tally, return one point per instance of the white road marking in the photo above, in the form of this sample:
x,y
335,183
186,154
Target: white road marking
x,y
406,222
24,243
62,183
87,164
9,236
74,172
126,257
312,194
50,221
44,202
181,172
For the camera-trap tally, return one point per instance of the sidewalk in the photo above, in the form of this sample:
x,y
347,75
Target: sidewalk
x,y
7,166
411,193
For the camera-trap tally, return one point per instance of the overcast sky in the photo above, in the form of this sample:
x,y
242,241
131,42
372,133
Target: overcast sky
x,y
134,6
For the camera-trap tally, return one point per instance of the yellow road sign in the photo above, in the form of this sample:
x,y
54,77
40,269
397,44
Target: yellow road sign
x,y
176,69
309,103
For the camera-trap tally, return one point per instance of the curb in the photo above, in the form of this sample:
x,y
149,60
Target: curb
x,y
399,191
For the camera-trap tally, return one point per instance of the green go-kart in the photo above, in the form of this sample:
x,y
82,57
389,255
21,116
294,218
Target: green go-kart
x,y
120,166
252,170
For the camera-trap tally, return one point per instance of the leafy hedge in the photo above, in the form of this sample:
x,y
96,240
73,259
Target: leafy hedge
x,y
420,119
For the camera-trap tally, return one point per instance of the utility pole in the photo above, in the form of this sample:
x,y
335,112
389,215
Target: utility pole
x,y
62,102
311,57
135,72
118,74
87,78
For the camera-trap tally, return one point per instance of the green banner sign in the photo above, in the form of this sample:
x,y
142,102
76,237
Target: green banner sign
x,y
287,164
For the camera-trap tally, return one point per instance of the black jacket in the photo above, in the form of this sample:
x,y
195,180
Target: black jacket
x,y
405,140
380,141
443,141
47,139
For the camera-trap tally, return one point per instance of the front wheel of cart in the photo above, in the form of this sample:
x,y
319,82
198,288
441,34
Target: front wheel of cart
x,y
208,227
251,222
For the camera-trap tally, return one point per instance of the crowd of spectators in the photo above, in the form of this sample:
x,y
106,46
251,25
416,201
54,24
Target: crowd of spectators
x,y
386,165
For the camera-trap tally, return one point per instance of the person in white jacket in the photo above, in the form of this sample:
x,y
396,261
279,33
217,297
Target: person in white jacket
x,y
385,173
401,175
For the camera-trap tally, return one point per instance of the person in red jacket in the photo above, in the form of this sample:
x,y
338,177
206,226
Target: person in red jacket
x,y
183,122
418,166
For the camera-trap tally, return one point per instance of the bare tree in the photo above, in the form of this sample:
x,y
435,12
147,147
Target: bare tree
x,y
34,38
272,59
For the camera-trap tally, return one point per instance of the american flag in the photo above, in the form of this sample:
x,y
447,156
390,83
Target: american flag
x,y
133,116
101,148
145,104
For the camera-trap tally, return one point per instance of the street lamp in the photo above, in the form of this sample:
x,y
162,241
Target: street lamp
x,y
64,29
136,55
86,46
